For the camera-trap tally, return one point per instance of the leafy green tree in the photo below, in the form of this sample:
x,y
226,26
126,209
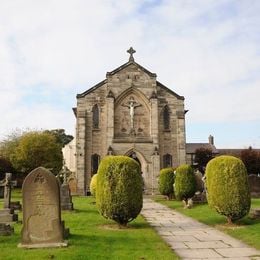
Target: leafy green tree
x,y
119,191
185,183
93,185
202,157
227,187
9,145
251,159
37,149
61,136
5,166
166,181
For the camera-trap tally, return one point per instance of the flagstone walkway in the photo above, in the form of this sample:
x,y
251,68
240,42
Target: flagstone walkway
x,y
191,239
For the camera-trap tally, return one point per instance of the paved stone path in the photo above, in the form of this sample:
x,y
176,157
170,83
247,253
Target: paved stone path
x,y
191,239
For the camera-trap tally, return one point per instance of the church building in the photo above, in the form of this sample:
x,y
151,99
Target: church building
x,y
129,113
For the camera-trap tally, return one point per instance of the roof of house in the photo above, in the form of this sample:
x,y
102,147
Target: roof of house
x,y
192,147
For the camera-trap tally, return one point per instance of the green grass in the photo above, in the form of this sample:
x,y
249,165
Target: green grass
x,y
246,229
92,237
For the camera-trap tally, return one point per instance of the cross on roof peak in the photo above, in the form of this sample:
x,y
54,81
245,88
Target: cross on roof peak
x,y
131,51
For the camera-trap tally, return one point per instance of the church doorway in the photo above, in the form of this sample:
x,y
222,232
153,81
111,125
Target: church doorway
x,y
141,161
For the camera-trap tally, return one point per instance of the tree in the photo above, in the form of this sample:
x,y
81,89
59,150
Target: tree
x,y
185,183
251,159
119,191
93,185
61,136
9,145
36,149
166,181
227,187
202,157
5,166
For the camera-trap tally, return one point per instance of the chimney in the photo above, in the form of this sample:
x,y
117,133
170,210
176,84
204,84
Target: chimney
x,y
211,140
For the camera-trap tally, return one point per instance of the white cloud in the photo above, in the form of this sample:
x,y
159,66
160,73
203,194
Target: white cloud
x,y
207,51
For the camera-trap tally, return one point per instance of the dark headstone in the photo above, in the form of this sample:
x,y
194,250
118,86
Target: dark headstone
x,y
6,229
199,198
42,225
16,205
65,197
2,192
254,185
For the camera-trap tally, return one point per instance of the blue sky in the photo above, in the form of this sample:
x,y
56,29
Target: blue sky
x,y
206,50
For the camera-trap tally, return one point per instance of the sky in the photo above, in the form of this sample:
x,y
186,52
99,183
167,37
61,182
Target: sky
x,y
205,50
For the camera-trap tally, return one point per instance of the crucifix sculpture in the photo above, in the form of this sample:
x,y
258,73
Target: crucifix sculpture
x,y
132,104
131,51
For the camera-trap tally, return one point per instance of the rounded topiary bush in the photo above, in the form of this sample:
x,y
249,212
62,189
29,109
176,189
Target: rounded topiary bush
x,y
166,181
93,185
119,194
185,183
227,187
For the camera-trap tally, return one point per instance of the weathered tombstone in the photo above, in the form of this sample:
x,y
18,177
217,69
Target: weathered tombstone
x,y
42,225
65,197
7,190
72,185
254,185
7,214
6,229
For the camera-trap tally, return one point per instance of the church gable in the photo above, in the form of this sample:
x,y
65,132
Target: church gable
x,y
129,113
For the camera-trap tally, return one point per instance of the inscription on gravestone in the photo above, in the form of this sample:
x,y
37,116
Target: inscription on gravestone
x,y
42,225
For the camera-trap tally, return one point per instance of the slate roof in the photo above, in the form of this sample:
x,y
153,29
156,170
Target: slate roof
x,y
192,147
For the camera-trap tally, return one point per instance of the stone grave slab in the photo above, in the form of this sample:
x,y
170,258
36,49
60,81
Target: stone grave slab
x,y
42,225
65,197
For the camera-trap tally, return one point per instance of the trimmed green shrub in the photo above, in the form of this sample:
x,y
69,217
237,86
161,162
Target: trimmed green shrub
x,y
185,183
227,187
166,181
119,193
93,185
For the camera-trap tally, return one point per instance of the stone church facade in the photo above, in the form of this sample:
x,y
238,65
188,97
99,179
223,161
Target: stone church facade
x,y
129,113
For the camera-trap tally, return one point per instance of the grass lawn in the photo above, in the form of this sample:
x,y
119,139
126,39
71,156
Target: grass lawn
x,y
247,229
92,237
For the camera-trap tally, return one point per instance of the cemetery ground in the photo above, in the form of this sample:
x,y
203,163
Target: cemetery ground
x,y
246,229
91,237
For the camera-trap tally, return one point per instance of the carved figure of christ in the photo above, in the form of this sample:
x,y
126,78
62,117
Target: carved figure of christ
x,y
132,104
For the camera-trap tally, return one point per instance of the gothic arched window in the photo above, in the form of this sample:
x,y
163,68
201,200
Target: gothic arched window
x,y
95,159
166,118
167,161
95,111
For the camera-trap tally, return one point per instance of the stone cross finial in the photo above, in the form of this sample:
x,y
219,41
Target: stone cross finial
x,y
131,51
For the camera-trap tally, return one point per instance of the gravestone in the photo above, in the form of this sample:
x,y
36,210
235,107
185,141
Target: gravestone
x,y
7,214
254,185
7,190
42,225
65,197
72,185
6,229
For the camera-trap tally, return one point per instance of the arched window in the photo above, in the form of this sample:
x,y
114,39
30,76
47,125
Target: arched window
x,y
95,159
166,118
95,118
167,160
